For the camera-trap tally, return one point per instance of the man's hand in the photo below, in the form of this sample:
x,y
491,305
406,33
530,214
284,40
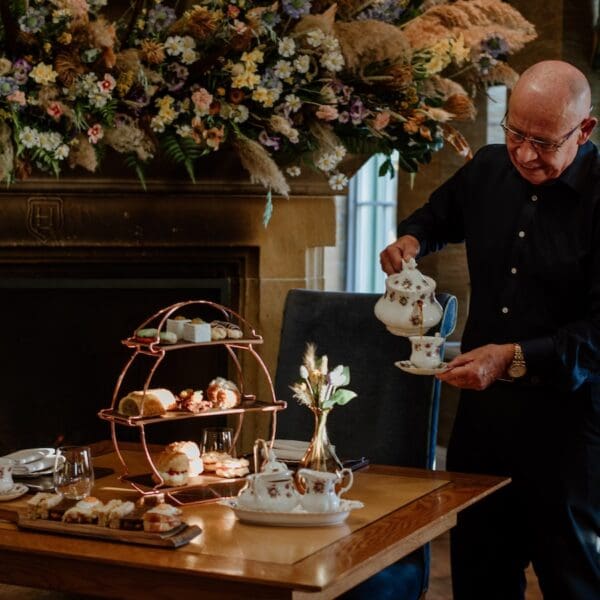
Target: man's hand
x,y
479,368
404,248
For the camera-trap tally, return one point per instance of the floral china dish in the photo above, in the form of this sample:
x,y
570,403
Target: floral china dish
x,y
297,517
426,350
320,494
406,365
16,491
409,306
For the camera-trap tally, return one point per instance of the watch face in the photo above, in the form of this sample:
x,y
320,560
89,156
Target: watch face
x,y
517,370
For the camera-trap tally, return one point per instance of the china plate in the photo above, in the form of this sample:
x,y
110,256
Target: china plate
x,y
295,518
29,455
407,366
39,467
16,491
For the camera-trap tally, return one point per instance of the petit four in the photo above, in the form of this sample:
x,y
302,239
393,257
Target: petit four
x,y
39,505
163,517
173,467
223,393
176,324
119,512
212,460
196,331
152,403
85,511
147,335
232,467
232,331
218,331
191,450
168,337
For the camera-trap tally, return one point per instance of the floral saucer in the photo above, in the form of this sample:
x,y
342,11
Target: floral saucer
x,y
406,365
16,491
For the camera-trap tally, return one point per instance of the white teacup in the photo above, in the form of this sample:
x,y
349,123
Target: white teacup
x,y
276,491
320,494
6,480
247,497
426,351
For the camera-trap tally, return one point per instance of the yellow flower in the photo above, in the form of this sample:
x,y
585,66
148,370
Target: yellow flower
x,y
256,56
65,38
246,80
43,74
459,50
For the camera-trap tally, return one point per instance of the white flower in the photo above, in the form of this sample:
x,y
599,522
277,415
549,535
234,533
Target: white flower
x,y
239,113
333,61
293,172
303,372
97,98
157,124
338,181
336,377
293,102
30,138
315,38
174,45
327,162
283,69
330,44
189,56
61,152
340,151
184,131
302,63
188,43
287,47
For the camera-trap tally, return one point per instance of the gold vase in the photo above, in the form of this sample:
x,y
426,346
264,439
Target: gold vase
x,y
320,455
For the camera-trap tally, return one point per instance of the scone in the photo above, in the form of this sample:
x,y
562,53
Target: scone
x,y
173,467
39,505
85,511
191,450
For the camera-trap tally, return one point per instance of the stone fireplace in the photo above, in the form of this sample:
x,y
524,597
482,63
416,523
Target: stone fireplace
x,y
83,261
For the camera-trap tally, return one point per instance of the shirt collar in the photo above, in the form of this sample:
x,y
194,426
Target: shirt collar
x,y
576,175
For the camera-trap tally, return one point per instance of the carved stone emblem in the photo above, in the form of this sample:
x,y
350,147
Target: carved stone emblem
x,y
45,217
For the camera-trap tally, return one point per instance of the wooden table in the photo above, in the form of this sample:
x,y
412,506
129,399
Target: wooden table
x,y
404,509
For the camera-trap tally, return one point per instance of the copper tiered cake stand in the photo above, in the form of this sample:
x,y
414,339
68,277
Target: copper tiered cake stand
x,y
202,488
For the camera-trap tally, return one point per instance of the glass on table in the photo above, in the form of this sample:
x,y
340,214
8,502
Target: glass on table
x,y
217,439
73,472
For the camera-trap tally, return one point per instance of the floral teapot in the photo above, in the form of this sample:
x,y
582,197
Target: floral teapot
x,y
409,306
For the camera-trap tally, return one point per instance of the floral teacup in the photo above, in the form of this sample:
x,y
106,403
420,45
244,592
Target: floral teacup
x,y
426,351
320,494
276,491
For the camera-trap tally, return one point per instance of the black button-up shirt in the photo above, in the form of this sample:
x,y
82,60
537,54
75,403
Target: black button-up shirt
x,y
534,259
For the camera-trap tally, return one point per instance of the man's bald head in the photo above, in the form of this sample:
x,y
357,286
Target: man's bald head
x,y
553,87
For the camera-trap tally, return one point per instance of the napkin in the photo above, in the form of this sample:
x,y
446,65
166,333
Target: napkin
x,y
290,449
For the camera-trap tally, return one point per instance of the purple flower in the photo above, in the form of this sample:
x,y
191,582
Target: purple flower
x,y
495,46
296,8
7,86
271,19
160,17
176,76
389,11
269,142
357,111
33,20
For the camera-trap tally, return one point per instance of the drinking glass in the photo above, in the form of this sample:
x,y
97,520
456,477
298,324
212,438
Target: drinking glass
x,y
73,472
217,439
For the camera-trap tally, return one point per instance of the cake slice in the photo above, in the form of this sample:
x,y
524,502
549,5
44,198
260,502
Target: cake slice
x,y
85,511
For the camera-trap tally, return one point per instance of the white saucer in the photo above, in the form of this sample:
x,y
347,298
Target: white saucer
x,y
295,518
16,491
407,366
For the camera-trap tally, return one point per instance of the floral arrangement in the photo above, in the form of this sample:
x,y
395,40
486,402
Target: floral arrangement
x,y
286,84
319,388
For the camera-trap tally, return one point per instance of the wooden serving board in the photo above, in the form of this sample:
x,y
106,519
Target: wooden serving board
x,y
174,538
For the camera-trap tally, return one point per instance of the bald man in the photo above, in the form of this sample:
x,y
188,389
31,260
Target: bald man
x,y
529,214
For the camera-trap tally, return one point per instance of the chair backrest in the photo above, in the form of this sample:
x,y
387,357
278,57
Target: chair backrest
x,y
394,418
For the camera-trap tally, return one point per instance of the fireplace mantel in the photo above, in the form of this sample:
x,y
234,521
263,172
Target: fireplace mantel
x,y
83,220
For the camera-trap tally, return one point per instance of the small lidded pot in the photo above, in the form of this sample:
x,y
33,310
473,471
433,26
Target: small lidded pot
x,y
409,306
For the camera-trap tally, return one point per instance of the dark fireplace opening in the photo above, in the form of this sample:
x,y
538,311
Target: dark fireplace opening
x,y
62,352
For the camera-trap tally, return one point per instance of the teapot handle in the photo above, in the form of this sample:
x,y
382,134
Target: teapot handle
x,y
342,473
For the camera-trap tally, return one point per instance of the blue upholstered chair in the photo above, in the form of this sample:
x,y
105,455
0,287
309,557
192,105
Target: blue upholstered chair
x,y
392,421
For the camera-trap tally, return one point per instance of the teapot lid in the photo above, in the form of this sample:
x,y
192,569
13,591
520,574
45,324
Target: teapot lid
x,y
410,279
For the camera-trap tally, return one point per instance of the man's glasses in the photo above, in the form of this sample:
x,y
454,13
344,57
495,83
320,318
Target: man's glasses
x,y
541,146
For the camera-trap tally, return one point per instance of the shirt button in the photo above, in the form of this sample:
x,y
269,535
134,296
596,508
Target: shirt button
x,y
534,198
521,234
505,309
514,270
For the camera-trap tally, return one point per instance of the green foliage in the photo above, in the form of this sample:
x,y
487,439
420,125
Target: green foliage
x,y
134,163
181,151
